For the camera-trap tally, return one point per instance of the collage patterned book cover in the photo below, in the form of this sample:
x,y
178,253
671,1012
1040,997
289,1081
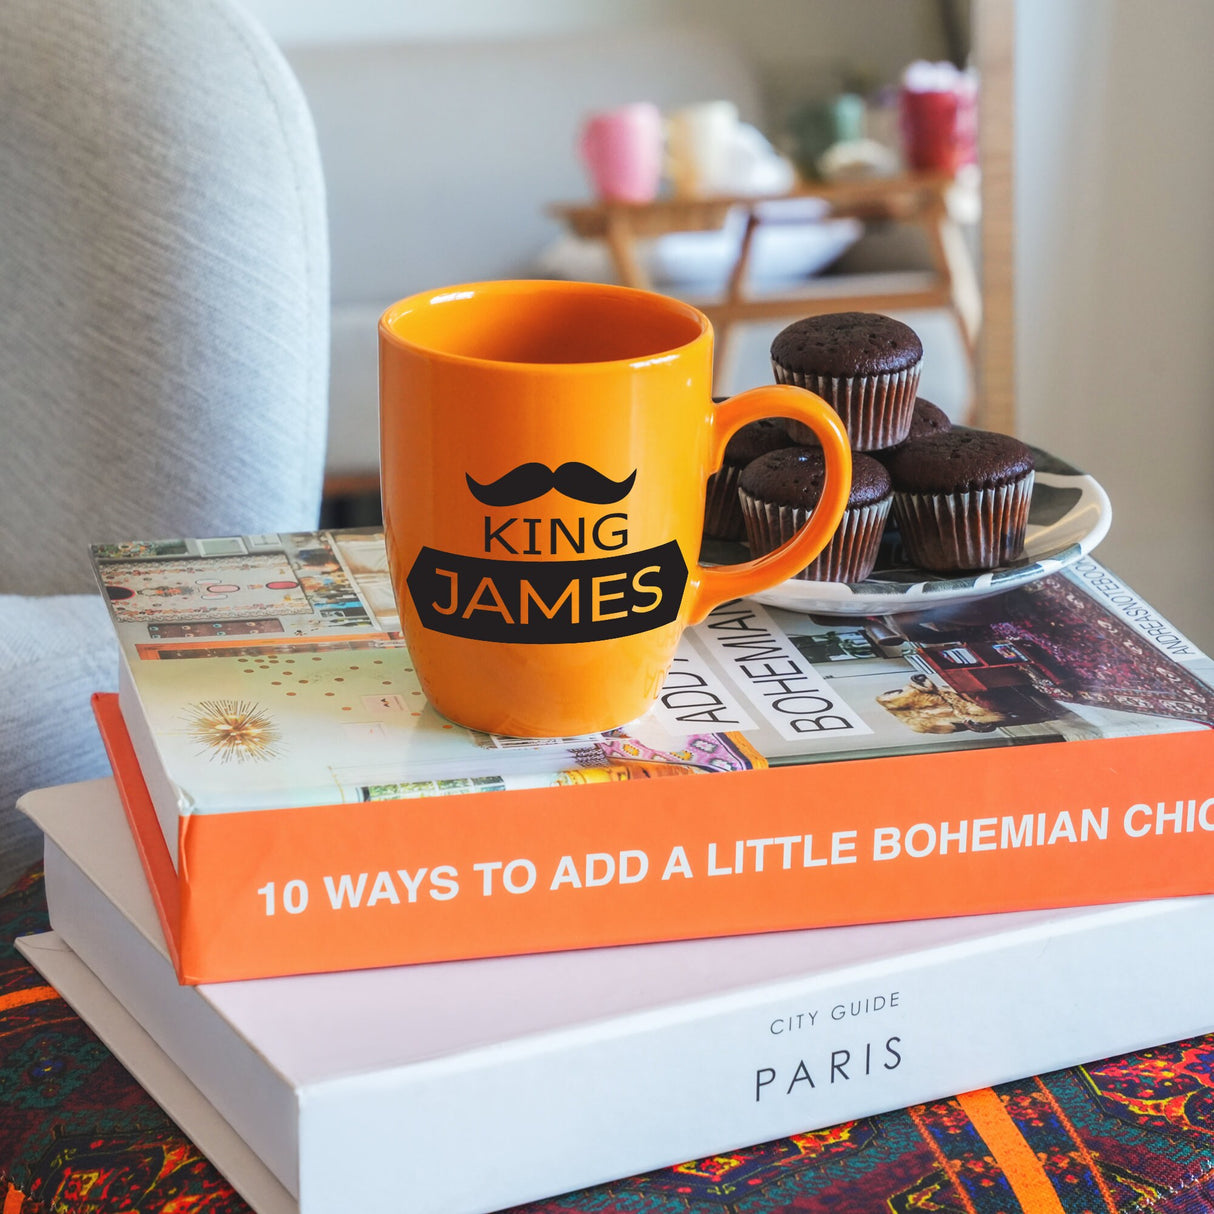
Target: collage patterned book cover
x,y
299,680
299,689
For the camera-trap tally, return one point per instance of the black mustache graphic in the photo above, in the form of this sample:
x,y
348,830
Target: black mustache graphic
x,y
527,481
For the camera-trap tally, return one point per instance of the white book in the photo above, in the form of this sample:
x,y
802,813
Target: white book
x,y
574,1068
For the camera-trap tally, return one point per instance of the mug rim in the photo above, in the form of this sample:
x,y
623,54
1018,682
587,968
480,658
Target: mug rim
x,y
502,286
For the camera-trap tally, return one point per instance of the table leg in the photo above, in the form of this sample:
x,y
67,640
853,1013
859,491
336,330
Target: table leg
x,y
967,295
723,316
622,243
958,283
956,270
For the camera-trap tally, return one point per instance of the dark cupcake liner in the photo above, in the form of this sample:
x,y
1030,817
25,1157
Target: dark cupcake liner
x,y
876,409
951,532
851,553
722,510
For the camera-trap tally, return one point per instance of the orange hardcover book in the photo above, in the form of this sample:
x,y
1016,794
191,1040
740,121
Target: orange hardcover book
x,y
1045,747
856,841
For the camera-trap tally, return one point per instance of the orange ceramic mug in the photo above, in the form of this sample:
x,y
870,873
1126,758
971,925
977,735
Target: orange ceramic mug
x,y
545,448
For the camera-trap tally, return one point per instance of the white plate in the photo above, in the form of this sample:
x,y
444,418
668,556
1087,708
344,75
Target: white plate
x,y
1068,516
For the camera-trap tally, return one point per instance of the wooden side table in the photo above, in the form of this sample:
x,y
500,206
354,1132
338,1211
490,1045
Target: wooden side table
x,y
916,198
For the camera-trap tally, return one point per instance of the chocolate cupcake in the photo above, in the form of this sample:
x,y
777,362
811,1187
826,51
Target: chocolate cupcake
x,y
722,512
866,365
779,491
961,499
926,419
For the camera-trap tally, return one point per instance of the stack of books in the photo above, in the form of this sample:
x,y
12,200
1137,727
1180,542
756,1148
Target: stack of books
x,y
899,858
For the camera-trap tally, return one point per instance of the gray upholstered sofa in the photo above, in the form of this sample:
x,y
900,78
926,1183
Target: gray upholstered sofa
x,y
163,332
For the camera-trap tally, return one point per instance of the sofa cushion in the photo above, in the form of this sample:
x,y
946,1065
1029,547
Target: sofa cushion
x,y
54,653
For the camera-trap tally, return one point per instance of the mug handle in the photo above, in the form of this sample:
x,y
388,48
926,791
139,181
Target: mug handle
x,y
714,585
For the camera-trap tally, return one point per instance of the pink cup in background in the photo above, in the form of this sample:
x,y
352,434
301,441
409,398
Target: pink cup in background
x,y
622,152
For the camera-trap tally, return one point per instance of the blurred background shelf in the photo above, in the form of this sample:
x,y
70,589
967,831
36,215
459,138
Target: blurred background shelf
x,y
918,199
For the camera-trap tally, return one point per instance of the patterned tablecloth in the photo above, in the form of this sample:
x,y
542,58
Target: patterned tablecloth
x,y
1131,1135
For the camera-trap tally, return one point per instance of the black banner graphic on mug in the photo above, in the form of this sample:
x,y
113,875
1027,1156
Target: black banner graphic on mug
x,y
548,602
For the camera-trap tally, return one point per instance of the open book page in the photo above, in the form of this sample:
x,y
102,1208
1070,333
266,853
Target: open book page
x,y
1076,655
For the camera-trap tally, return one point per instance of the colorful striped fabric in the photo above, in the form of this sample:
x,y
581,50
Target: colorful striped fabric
x,y
1131,1135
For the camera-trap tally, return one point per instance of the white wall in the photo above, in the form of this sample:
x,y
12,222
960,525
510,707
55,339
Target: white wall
x,y
809,48
801,47
301,22
1115,274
